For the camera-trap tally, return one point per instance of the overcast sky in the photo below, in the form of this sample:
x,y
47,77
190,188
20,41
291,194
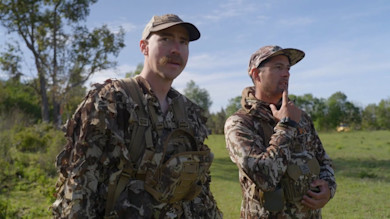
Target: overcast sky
x,y
347,43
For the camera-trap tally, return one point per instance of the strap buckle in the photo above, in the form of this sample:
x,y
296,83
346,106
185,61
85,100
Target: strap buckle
x,y
143,121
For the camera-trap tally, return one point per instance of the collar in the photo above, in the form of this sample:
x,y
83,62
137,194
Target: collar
x,y
256,107
147,89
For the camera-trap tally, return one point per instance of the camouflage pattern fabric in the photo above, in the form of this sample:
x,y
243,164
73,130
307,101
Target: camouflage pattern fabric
x,y
263,163
98,139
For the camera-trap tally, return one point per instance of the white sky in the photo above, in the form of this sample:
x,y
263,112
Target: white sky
x,y
347,43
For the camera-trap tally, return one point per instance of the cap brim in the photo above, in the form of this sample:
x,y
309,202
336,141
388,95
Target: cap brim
x,y
294,55
193,32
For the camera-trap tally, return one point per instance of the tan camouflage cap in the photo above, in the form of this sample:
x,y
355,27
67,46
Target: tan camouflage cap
x,y
158,23
294,55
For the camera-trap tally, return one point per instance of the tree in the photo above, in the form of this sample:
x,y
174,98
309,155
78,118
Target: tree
x,y
19,98
216,122
137,71
65,52
383,114
234,104
369,117
10,62
305,102
340,110
335,113
198,95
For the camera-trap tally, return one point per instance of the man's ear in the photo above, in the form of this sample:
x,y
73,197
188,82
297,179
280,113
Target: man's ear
x,y
255,74
143,44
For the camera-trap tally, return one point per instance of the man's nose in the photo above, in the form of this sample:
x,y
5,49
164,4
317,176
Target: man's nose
x,y
175,47
286,72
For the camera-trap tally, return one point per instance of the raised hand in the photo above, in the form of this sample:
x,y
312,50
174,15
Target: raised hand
x,y
288,109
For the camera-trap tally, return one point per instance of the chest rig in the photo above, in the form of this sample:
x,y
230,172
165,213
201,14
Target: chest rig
x,y
173,168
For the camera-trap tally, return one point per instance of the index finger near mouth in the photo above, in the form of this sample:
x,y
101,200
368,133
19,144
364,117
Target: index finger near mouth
x,y
285,97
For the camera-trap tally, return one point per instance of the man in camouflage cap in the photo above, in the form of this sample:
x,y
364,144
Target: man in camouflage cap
x,y
135,147
284,170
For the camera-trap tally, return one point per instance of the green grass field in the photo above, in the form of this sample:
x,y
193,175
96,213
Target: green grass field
x,y
362,165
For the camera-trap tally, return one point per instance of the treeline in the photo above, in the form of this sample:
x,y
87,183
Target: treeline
x,y
327,114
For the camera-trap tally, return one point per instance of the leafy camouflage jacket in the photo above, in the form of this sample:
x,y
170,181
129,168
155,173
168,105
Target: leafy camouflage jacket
x,y
98,140
263,163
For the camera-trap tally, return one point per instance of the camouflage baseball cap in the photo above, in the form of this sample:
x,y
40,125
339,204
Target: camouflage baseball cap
x,y
294,55
158,23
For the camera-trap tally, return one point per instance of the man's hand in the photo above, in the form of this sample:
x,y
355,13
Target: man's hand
x,y
288,109
317,200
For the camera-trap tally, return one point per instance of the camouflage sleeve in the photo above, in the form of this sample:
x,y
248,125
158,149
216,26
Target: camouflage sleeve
x,y
90,156
326,169
264,165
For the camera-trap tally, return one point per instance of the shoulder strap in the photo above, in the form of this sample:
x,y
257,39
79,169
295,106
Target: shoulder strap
x,y
141,136
142,132
180,114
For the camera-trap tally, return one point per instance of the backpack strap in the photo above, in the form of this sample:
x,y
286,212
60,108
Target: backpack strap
x,y
181,115
143,131
141,136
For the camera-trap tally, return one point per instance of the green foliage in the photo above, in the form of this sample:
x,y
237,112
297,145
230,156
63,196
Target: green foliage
x,y
326,114
137,71
315,107
369,117
65,52
36,138
18,96
216,122
234,104
10,61
383,115
71,101
27,175
198,95
339,110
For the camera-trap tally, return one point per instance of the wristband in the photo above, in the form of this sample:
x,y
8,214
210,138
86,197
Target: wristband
x,y
289,122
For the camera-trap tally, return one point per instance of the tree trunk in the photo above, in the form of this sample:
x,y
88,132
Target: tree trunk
x,y
44,99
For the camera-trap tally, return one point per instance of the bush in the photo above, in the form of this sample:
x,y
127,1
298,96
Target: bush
x,y
16,95
37,138
28,173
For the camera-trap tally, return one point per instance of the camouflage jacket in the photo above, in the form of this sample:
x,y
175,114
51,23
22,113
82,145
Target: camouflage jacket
x,y
97,140
263,163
